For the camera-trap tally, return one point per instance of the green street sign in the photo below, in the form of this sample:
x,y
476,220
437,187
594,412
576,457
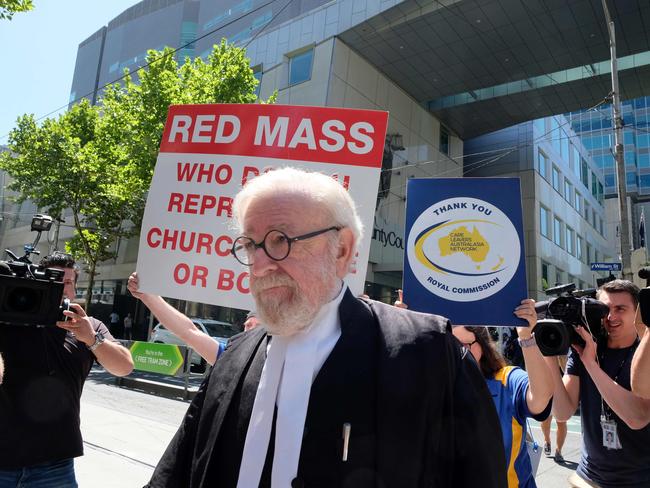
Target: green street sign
x,y
156,358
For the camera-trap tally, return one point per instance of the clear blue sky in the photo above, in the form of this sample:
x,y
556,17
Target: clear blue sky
x,y
38,52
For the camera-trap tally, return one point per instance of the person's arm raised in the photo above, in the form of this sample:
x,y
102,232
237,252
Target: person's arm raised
x,y
176,322
540,380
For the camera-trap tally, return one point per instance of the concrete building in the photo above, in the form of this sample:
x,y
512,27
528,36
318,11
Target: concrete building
x,y
562,199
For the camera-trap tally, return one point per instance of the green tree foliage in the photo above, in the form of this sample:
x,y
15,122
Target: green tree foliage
x,y
58,166
98,161
9,7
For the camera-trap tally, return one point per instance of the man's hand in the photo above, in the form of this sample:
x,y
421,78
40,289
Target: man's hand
x,y
588,352
399,303
78,324
527,312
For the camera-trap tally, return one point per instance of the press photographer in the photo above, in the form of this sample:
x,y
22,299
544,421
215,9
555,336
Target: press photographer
x,y
46,365
614,420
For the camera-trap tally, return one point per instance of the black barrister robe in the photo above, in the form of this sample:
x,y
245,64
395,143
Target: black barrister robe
x,y
420,411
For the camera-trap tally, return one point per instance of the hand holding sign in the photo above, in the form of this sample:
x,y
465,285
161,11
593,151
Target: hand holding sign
x,y
399,303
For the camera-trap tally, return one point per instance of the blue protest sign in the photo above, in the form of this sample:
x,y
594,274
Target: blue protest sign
x,y
464,254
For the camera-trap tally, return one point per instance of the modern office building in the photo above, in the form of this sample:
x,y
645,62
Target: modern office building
x,y
562,198
595,128
445,70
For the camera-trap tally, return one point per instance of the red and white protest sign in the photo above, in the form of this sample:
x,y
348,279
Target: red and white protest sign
x,y
207,154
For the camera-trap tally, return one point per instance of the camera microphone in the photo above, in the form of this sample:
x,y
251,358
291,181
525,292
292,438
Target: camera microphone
x,y
644,273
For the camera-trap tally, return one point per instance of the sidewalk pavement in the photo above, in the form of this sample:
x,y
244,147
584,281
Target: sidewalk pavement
x,y
121,450
551,474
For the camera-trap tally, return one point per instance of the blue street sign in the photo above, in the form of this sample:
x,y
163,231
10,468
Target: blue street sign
x,y
606,267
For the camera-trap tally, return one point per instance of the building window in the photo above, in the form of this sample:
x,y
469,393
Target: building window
x,y
578,203
557,231
601,193
257,73
443,146
643,161
542,164
576,162
579,253
585,173
589,254
559,277
545,272
300,67
544,221
570,236
556,179
568,190
564,146
601,227
593,218
587,212
631,178
594,185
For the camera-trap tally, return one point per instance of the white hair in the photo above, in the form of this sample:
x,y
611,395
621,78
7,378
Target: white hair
x,y
317,187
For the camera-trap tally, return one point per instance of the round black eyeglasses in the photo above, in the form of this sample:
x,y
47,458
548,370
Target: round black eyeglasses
x,y
276,245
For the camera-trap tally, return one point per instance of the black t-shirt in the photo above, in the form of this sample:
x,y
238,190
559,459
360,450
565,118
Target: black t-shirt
x,y
626,467
45,370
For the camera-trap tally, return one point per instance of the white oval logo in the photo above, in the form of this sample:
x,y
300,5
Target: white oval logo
x,y
463,249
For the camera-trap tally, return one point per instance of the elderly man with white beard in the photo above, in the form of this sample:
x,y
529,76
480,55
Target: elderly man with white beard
x,y
331,391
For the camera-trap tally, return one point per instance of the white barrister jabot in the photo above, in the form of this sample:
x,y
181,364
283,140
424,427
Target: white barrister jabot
x,y
291,366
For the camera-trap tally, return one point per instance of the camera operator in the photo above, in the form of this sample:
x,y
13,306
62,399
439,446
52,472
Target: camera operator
x,y
641,367
614,420
40,396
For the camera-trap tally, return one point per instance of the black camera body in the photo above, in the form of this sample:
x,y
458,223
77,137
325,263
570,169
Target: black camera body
x,y
555,332
31,295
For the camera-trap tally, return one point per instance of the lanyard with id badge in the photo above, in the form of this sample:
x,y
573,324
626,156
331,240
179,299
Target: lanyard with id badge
x,y
607,421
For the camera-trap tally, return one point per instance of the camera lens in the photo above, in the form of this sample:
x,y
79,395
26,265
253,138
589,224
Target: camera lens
x,y
22,300
552,337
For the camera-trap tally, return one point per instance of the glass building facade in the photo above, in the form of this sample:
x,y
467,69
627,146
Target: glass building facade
x,y
596,129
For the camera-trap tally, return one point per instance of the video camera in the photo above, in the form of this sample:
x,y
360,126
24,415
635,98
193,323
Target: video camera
x,y
30,295
570,308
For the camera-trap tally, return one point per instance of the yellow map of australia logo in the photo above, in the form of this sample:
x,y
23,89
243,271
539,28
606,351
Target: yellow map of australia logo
x,y
463,249
472,244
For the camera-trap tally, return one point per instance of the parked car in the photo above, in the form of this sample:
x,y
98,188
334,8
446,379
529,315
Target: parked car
x,y
216,329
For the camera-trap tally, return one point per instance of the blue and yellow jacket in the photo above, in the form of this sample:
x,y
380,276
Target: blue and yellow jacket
x,y
508,390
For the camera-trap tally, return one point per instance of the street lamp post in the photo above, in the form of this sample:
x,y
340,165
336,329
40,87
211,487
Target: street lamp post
x,y
619,154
